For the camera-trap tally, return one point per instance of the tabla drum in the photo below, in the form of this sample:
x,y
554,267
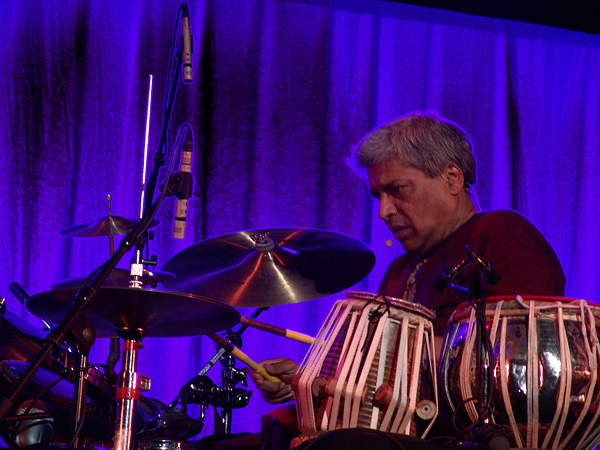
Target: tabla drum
x,y
369,367
543,370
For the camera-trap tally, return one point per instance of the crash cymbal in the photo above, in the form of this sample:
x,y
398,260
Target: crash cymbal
x,y
104,226
159,313
270,267
118,278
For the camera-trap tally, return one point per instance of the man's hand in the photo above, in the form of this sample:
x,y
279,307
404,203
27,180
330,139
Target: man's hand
x,y
280,391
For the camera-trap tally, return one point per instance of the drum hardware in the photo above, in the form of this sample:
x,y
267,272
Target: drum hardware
x,y
228,397
74,311
128,387
118,278
483,348
202,391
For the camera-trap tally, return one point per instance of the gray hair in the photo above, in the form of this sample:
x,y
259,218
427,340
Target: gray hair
x,y
421,140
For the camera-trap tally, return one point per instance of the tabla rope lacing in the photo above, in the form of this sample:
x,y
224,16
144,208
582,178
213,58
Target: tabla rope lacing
x,y
357,338
317,352
533,413
590,339
465,365
504,383
414,380
431,355
357,392
399,390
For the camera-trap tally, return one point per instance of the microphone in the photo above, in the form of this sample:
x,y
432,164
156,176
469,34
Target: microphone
x,y
493,276
34,431
448,275
186,29
184,190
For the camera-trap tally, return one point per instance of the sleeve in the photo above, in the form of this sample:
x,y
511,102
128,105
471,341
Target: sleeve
x,y
523,258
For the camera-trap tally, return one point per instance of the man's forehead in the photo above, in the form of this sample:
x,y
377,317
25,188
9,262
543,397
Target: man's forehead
x,y
392,170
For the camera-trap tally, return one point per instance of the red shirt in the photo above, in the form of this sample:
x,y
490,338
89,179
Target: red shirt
x,y
512,245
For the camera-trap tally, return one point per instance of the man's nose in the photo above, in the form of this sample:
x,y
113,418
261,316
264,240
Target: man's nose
x,y
386,207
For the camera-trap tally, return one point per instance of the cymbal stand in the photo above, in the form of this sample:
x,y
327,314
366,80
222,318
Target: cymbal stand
x,y
77,417
128,387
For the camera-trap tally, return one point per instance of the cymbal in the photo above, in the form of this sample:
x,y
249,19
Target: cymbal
x,y
118,278
104,226
159,313
261,268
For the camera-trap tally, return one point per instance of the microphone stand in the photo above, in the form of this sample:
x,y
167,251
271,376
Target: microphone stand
x,y
170,94
482,345
159,157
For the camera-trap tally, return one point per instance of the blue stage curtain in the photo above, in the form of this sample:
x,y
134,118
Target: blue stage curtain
x,y
282,91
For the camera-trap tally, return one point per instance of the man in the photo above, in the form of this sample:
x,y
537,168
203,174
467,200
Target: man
x,y
421,169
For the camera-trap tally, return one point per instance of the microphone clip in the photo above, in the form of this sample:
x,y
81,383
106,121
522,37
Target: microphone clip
x,y
183,184
179,185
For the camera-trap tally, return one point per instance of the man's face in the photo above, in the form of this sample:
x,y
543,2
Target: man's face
x,y
417,209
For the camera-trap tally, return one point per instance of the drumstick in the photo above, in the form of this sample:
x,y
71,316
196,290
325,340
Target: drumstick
x,y
276,330
230,348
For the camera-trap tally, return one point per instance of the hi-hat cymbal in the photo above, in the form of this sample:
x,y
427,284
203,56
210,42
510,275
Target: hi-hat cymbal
x,y
159,313
270,267
105,226
118,278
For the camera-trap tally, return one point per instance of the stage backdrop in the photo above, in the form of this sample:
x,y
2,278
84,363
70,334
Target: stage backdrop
x,y
282,90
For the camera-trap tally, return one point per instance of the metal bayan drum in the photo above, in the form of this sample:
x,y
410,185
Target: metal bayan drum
x,y
544,368
368,367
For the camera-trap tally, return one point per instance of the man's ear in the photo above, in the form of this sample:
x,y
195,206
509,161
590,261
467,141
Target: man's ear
x,y
454,177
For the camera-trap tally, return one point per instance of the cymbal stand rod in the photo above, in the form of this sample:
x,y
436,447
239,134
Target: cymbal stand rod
x,y
222,422
127,394
78,397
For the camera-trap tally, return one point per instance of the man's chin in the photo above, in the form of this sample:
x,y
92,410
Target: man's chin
x,y
410,246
